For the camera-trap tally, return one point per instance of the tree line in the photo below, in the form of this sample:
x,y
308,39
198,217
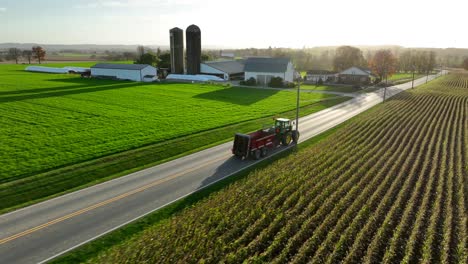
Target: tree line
x,y
37,52
324,58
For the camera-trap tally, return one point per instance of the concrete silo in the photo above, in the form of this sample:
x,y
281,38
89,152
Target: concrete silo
x,y
193,39
177,50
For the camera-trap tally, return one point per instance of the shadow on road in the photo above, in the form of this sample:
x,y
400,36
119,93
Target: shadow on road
x,y
234,165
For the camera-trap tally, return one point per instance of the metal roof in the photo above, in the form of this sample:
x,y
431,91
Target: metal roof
x,y
266,64
228,66
135,67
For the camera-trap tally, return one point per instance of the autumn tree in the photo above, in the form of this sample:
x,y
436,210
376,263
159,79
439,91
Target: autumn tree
x,y
27,54
346,57
14,54
465,64
383,63
38,53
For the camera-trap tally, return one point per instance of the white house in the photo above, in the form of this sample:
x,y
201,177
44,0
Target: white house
x,y
355,75
133,72
263,69
228,70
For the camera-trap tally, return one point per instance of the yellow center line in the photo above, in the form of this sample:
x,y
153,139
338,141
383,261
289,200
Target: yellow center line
x,y
87,209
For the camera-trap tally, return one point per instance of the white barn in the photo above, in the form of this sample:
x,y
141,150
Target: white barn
x,y
133,72
263,69
228,70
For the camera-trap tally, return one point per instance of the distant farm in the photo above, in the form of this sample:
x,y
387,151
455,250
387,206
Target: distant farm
x,y
60,131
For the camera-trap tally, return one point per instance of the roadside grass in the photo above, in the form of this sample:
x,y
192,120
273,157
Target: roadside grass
x,y
61,133
404,76
91,250
332,88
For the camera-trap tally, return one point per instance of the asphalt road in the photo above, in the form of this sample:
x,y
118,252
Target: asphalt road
x,y
45,230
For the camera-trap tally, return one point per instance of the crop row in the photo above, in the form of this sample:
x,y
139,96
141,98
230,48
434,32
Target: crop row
x,y
390,187
458,81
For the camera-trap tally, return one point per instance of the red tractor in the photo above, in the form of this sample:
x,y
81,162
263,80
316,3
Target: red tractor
x,y
257,144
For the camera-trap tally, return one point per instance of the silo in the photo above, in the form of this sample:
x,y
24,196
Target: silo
x,y
177,50
193,39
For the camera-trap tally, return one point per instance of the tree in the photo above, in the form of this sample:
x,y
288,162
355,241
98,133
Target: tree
x,y
128,55
431,61
383,63
28,55
140,51
39,53
465,64
165,60
148,58
346,57
14,54
206,56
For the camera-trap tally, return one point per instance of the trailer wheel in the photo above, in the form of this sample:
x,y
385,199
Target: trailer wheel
x,y
257,154
286,140
295,136
264,152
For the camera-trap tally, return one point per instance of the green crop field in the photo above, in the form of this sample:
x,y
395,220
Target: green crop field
x,y
388,187
57,130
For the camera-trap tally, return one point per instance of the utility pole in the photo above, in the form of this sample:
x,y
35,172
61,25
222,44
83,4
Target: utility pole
x,y
386,83
412,82
297,102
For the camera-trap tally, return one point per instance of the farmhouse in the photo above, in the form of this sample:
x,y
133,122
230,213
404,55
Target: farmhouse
x,y
355,75
133,72
228,70
263,69
314,76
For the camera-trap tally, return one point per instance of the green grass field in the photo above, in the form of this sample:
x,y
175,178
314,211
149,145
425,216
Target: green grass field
x,y
61,131
387,187
402,76
343,89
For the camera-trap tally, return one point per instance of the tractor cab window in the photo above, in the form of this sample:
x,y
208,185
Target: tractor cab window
x,y
282,124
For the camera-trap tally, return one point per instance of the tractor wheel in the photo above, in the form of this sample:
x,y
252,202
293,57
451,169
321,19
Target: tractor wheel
x,y
295,136
286,140
264,152
257,154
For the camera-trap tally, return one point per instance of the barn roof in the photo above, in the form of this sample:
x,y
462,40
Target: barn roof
x,y
266,64
120,66
229,66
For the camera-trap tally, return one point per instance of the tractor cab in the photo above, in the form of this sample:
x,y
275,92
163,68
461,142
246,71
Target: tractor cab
x,y
282,125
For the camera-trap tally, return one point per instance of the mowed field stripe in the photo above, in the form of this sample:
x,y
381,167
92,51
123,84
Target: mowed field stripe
x,y
117,198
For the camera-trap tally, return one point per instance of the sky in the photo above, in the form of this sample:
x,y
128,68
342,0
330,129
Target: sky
x,y
238,23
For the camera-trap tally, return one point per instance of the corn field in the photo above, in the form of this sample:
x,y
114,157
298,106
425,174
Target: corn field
x,y
388,187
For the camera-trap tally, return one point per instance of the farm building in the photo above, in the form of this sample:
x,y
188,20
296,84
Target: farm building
x,y
355,75
314,76
133,72
228,70
263,69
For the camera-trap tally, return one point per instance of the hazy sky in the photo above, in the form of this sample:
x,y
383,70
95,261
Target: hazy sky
x,y
238,23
